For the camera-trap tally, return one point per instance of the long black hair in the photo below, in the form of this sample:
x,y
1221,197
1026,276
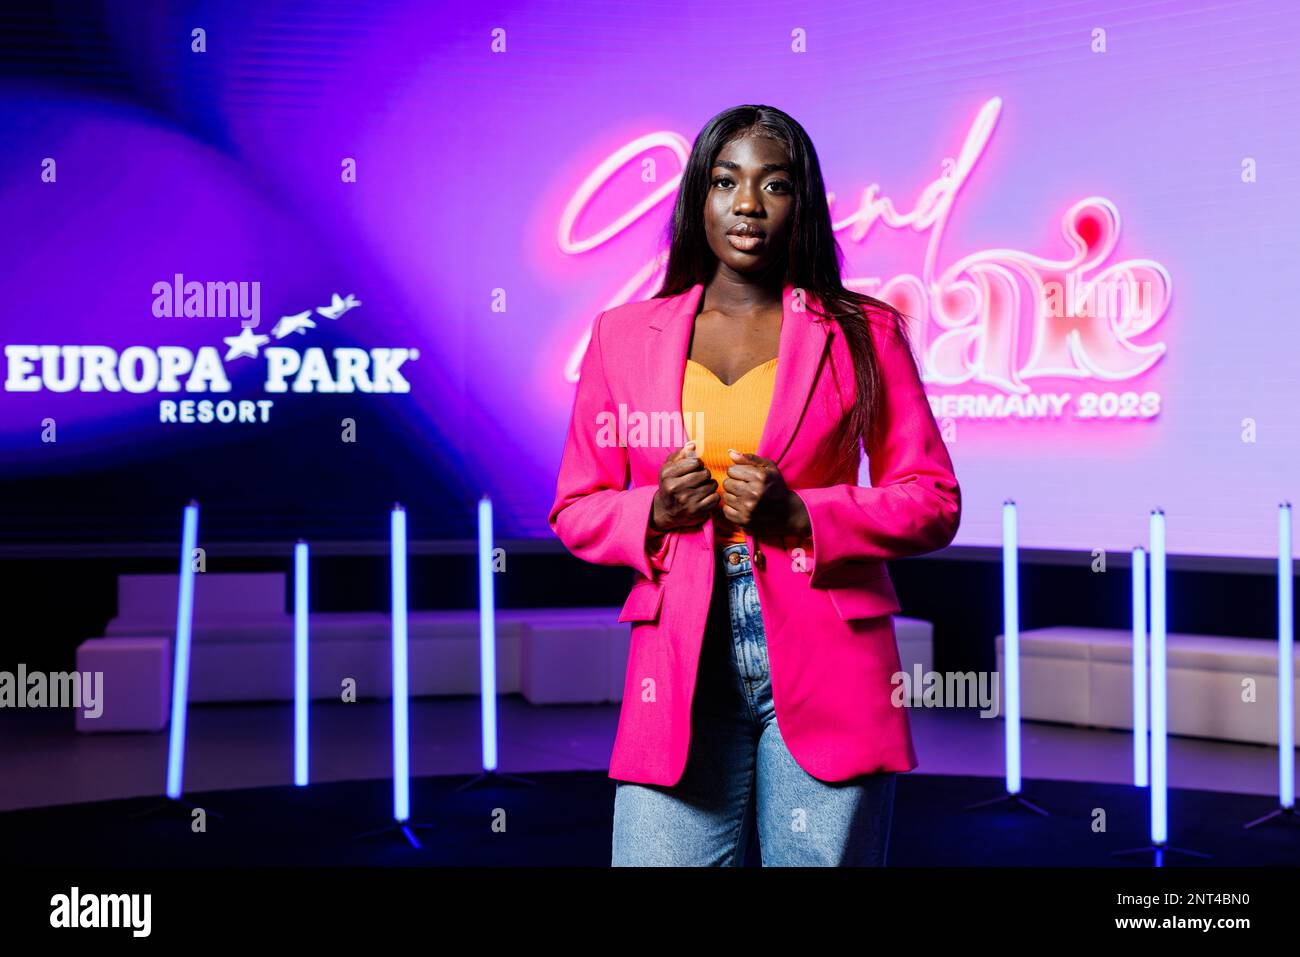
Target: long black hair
x,y
812,261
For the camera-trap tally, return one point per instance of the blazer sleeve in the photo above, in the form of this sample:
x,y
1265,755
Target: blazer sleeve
x,y
595,515
914,503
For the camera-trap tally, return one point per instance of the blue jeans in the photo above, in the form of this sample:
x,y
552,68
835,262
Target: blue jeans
x,y
739,772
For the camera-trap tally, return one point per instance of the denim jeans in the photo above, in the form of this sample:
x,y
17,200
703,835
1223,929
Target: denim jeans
x,y
739,773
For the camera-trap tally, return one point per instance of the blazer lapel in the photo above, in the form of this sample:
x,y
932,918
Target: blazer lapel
x,y
803,342
802,345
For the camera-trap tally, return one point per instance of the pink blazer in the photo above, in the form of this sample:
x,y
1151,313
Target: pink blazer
x,y
827,601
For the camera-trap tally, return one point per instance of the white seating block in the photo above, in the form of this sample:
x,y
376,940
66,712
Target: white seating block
x,y
1085,676
136,692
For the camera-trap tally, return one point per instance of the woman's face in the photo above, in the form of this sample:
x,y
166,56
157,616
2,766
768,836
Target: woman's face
x,y
750,203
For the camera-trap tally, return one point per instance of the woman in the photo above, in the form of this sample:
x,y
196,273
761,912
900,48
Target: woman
x,y
759,689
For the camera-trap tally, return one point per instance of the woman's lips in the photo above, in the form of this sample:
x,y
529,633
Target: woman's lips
x,y
745,243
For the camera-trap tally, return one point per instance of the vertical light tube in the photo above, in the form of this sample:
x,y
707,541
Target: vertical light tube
x,y
181,658
1285,661
487,643
1141,733
1159,704
1011,644
401,741
300,664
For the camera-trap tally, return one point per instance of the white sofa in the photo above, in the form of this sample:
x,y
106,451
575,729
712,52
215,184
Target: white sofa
x,y
242,646
1084,676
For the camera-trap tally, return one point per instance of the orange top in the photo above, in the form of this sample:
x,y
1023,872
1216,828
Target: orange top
x,y
720,417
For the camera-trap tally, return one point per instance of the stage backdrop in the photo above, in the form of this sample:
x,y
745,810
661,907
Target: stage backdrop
x,y
302,261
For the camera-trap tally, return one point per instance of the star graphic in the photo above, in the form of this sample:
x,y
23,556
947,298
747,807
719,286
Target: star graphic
x,y
299,323
338,305
244,344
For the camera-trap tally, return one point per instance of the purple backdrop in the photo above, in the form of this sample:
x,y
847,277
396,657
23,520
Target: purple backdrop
x,y
515,165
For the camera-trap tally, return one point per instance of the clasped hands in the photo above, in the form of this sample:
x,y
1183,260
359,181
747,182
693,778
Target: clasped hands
x,y
753,496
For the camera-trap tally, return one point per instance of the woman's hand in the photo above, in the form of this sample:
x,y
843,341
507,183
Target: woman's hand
x,y
686,491
755,496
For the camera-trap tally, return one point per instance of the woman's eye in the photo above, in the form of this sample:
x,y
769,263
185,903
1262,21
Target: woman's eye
x,y
782,186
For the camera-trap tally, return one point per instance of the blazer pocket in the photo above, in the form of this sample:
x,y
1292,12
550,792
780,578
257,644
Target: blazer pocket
x,y
643,601
870,596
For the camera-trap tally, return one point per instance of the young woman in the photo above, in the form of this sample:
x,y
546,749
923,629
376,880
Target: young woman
x,y
759,688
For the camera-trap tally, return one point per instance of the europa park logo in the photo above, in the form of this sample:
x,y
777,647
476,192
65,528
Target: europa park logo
x,y
178,369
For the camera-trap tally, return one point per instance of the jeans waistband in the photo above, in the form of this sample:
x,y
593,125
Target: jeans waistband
x,y
735,559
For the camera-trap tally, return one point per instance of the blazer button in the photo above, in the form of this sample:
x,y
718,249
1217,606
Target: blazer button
x,y
760,561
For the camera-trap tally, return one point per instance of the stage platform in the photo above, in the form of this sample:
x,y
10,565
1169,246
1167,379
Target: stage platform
x,y
246,745
565,818
68,798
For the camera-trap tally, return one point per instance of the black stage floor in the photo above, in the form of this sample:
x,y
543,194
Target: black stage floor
x,y
565,818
